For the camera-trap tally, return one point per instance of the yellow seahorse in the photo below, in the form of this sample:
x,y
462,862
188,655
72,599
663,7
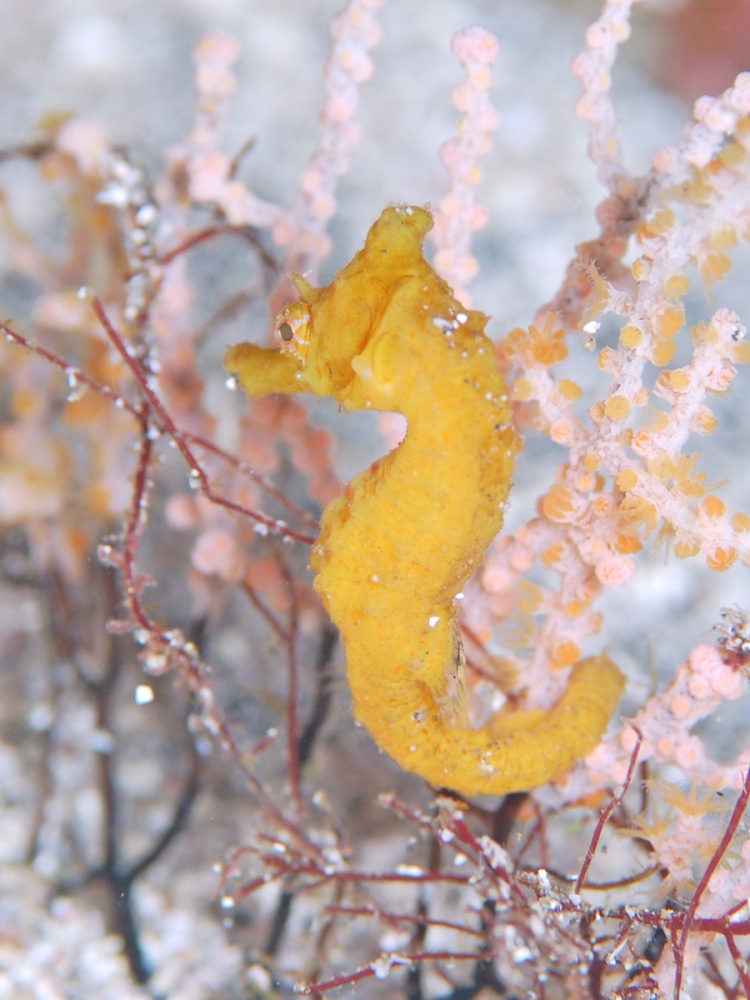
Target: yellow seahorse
x,y
396,548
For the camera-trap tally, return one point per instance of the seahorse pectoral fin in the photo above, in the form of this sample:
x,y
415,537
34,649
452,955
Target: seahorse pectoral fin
x,y
449,690
263,370
442,670
371,383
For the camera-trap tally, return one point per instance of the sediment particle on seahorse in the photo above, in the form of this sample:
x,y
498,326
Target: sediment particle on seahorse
x,y
405,536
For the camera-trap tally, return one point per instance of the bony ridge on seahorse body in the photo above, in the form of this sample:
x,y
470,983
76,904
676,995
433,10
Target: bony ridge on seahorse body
x,y
397,547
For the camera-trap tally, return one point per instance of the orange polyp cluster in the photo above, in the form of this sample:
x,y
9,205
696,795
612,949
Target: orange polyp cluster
x,y
713,506
641,512
628,479
721,558
618,407
679,379
714,267
662,352
631,336
535,346
560,504
669,321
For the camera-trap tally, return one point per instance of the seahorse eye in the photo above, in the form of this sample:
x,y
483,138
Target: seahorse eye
x,y
293,330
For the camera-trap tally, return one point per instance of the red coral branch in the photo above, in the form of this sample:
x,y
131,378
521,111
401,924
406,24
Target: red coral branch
x,y
604,818
198,475
689,920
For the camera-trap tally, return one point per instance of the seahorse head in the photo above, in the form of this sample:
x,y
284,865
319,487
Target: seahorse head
x,y
335,336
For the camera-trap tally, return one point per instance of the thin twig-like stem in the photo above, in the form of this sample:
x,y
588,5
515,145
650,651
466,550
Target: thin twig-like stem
x,y
729,833
354,977
602,821
182,441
